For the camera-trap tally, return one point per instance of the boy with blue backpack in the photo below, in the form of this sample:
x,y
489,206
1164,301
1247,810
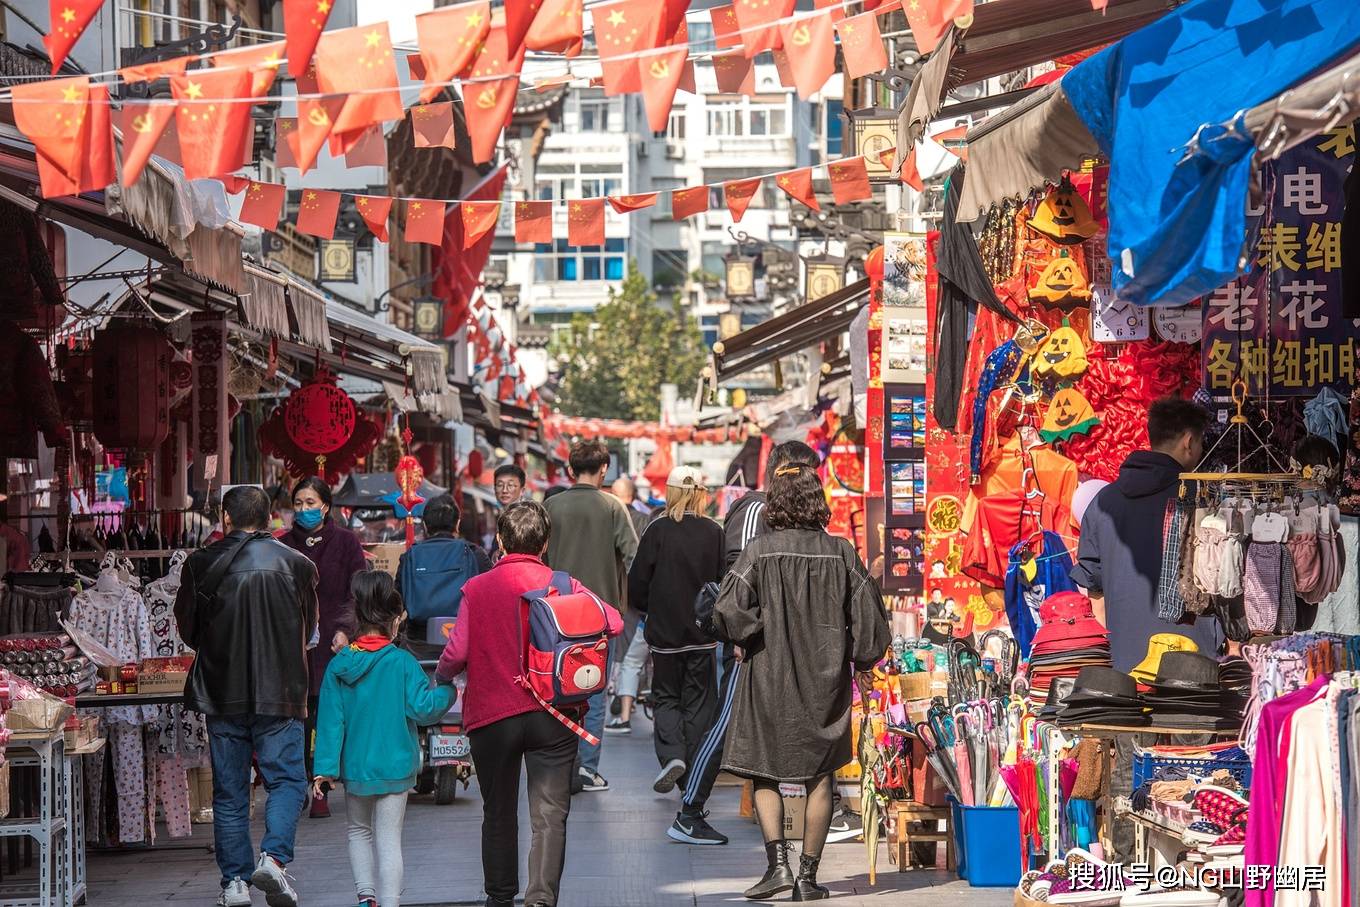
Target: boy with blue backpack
x,y
431,575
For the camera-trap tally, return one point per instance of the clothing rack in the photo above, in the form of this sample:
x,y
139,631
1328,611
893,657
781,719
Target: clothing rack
x,y
130,554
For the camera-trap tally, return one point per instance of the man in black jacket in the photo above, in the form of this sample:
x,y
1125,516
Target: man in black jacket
x,y
247,606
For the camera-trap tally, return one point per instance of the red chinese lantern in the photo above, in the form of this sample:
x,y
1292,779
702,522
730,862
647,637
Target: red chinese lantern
x,y
131,372
319,417
475,465
873,265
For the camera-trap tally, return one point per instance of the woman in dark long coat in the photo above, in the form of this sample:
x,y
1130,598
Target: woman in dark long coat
x,y
338,555
804,610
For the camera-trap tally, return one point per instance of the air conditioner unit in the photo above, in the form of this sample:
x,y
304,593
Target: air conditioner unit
x,y
675,151
642,148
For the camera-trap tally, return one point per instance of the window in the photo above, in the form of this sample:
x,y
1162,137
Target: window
x,y
559,182
701,36
835,127
558,261
749,117
594,116
675,126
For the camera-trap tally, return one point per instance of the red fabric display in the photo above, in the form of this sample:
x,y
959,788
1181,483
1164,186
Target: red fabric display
x,y
131,387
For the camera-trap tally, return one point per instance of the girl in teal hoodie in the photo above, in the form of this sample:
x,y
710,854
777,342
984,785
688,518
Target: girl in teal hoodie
x,y
373,697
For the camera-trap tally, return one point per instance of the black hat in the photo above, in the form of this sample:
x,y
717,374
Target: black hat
x,y
1060,690
1102,683
1188,671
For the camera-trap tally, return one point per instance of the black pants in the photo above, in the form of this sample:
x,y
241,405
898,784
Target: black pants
x,y
684,704
547,750
708,761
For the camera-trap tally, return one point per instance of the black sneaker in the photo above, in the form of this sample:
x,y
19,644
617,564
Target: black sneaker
x,y
592,781
618,726
694,830
846,826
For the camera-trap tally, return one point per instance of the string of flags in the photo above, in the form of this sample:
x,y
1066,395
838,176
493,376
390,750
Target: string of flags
x,y
348,87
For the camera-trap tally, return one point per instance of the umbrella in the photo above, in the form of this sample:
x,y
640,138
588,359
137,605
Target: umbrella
x,y
869,757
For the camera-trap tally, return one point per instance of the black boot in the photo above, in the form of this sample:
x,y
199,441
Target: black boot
x,y
805,887
778,877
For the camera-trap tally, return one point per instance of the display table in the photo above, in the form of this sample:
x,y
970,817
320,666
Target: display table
x,y
108,701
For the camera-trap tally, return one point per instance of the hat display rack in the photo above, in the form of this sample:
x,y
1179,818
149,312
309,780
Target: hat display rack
x,y
1248,443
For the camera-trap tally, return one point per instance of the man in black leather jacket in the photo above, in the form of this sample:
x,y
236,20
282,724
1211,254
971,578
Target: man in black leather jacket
x,y
247,606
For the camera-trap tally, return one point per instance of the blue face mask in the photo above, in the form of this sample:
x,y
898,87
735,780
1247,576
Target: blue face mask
x,y
308,519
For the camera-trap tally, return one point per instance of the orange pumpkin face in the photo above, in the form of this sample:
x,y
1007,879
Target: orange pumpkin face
x,y
1064,217
1069,414
1063,354
1062,283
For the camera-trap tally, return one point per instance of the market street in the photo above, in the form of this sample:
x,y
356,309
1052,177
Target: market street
x,y
618,855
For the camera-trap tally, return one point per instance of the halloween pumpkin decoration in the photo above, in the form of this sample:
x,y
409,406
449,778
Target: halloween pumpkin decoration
x,y
1068,414
1063,355
1061,283
1064,217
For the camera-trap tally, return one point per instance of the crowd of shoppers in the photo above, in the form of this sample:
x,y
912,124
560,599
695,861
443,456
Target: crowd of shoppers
x,y
753,629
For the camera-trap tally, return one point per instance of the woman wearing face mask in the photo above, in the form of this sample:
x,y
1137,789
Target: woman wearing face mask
x,y
338,555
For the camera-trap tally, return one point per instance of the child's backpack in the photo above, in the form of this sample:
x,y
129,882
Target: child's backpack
x,y
566,658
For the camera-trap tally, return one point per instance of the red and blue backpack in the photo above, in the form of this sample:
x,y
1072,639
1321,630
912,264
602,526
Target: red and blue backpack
x,y
566,656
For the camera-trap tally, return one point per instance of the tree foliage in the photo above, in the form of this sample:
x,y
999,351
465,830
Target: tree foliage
x,y
616,359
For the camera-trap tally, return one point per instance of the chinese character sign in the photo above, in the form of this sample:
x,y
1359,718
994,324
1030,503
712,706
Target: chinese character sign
x,y
1279,327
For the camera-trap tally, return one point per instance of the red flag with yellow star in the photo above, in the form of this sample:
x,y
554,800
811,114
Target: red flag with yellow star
x,y
797,185
449,39
810,43
374,210
358,63
479,219
585,222
862,45
215,129
142,124
533,222
782,68
285,137
624,204
432,125
738,194
911,174
488,100
519,16
263,205
557,28
150,72
52,115
317,211
303,22
314,120
688,202
661,72
759,23
726,30
735,72
849,180
368,149
69,18
622,27
836,8
425,221
929,19
98,165
263,61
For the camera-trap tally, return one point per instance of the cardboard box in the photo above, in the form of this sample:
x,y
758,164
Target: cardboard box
x,y
41,713
915,686
795,809
81,731
164,675
386,555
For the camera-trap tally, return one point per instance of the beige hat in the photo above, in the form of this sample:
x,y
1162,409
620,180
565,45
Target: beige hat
x,y
685,477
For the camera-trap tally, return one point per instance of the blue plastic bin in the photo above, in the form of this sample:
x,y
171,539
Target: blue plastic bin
x,y
956,829
989,839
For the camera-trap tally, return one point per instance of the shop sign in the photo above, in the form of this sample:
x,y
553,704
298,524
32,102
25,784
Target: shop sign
x,y
337,261
1280,326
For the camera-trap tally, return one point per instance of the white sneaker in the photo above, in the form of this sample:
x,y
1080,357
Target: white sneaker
x,y
270,878
236,894
670,773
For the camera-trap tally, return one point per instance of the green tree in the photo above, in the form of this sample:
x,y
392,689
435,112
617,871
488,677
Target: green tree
x,y
616,359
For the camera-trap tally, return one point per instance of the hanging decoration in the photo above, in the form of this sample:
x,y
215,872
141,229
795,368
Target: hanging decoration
x,y
409,475
318,430
131,371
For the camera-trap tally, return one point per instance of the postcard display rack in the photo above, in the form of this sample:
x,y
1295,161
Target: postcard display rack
x,y
904,492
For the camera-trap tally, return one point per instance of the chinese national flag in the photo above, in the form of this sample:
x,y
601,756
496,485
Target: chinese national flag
x,y
930,18
449,39
479,219
533,222
69,18
758,19
726,31
215,131
234,184
689,202
142,124
317,212
862,45
660,73
836,8
849,180
557,28
358,63
314,120
263,61
150,72
585,222
368,150
624,204
263,205
425,221
810,43
622,27
303,22
735,72
97,166
487,106
374,210
519,17
911,174
738,195
673,24
797,184
432,125
285,137
952,140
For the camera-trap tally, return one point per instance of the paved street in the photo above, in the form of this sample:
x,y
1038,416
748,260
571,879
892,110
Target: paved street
x,y
619,855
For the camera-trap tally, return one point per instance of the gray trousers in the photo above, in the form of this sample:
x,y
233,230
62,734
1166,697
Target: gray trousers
x,y
375,845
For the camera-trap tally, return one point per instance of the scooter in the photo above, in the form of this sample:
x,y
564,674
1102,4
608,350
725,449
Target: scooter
x,y
447,760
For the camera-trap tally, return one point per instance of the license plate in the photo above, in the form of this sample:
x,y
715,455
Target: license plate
x,y
448,747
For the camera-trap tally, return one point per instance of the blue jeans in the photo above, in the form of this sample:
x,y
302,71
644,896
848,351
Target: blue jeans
x,y
278,744
587,756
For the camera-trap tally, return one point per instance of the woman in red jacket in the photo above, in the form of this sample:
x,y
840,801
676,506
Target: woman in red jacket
x,y
505,724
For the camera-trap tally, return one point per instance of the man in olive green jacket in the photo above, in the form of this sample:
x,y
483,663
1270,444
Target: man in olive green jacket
x,y
592,540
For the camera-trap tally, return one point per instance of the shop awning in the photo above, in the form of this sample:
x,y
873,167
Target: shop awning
x,y
783,335
1178,222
